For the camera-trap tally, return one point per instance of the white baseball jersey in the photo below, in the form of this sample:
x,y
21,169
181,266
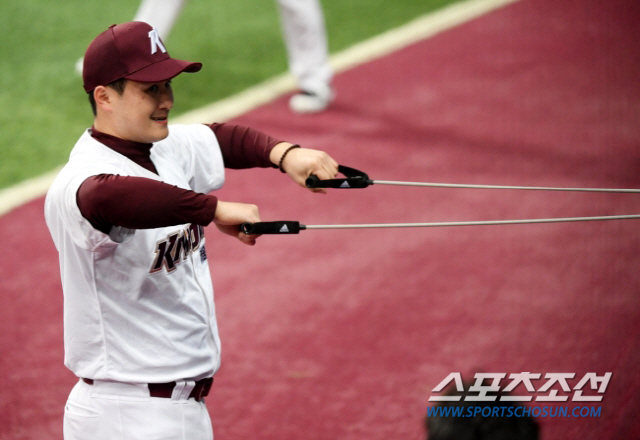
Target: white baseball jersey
x,y
138,304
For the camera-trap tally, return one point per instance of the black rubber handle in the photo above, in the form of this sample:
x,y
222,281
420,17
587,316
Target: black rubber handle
x,y
279,227
354,179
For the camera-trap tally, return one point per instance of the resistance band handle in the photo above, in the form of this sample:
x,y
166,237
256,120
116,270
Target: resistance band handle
x,y
354,179
280,227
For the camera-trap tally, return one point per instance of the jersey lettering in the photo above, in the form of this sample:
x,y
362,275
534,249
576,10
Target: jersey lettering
x,y
176,248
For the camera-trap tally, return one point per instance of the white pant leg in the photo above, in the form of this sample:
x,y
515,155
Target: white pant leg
x,y
113,410
306,42
161,14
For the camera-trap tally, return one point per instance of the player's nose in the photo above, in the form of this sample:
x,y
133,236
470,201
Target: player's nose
x,y
166,99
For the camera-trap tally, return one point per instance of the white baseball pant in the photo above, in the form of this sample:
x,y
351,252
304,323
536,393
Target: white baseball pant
x,y
303,29
116,410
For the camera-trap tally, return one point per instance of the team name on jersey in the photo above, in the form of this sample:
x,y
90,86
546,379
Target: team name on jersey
x,y
176,248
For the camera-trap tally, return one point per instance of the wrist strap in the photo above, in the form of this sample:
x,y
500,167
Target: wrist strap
x,y
285,155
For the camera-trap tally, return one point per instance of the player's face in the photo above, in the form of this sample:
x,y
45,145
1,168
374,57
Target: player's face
x,y
142,112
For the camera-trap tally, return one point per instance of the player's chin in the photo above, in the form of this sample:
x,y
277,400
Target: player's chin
x,y
157,132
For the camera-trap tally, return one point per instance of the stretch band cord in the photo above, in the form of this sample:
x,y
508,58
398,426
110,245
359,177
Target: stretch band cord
x,y
358,179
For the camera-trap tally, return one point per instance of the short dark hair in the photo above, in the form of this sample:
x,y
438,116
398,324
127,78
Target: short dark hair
x,y
118,85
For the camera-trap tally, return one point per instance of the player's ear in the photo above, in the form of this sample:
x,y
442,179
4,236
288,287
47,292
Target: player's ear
x,y
102,96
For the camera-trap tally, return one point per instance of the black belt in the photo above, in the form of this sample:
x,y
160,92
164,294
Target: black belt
x,y
200,391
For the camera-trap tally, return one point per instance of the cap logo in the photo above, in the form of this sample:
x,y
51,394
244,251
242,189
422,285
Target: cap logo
x,y
155,42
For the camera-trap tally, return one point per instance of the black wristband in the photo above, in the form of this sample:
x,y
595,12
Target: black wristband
x,y
285,155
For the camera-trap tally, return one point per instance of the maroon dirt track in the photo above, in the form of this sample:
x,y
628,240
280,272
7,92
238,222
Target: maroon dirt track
x,y
344,334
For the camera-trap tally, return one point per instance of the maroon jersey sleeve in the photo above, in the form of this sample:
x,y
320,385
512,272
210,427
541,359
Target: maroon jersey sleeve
x,y
244,147
108,200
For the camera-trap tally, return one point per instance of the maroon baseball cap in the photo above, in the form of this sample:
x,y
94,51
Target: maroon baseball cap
x,y
133,51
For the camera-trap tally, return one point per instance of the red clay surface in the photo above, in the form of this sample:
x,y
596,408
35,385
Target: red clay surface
x,y
344,334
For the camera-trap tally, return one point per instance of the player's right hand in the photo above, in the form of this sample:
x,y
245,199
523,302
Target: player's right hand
x,y
230,215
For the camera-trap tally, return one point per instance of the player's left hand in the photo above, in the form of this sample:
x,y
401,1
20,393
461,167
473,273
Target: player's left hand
x,y
300,163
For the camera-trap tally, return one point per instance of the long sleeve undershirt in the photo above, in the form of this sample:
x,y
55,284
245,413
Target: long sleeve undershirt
x,y
108,200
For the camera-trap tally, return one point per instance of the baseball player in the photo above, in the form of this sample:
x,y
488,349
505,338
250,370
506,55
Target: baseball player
x,y
305,39
126,214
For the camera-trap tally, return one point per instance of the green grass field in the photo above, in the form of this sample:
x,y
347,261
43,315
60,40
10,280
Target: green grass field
x,y
239,42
